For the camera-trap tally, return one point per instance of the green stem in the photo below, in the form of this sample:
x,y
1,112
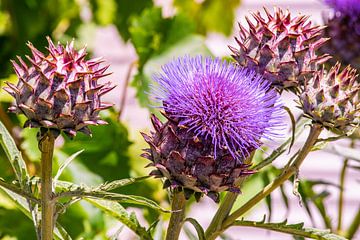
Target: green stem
x,y
341,194
46,146
226,205
285,175
222,213
354,227
177,215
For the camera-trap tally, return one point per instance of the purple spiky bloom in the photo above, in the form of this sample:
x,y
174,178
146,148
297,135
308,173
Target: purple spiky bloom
x,y
344,33
60,90
349,7
230,105
217,115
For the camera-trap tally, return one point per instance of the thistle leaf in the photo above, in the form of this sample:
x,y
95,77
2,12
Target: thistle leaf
x,y
118,212
65,164
22,204
120,183
68,189
293,229
13,154
198,228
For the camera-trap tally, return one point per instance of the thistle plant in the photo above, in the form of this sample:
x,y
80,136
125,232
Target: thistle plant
x,y
281,47
343,29
57,92
216,129
217,114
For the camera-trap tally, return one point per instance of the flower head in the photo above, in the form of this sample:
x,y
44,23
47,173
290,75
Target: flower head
x,y
344,33
230,105
348,7
217,115
60,90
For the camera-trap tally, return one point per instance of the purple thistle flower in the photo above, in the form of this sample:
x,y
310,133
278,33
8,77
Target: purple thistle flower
x,y
232,106
348,7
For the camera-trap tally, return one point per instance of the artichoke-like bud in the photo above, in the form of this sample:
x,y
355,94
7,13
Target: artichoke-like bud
x,y
217,113
186,161
59,91
281,48
332,99
344,32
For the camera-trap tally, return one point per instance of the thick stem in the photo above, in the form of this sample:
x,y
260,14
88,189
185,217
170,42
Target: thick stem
x,y
177,215
226,205
285,175
222,213
46,145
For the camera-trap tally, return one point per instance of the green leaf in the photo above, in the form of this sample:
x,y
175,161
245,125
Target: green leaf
x,y
293,229
13,154
118,212
72,190
284,197
210,15
268,200
23,206
198,228
105,153
152,35
104,11
61,233
66,163
308,195
126,11
120,183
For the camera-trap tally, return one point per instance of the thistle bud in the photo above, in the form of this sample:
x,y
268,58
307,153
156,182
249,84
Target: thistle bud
x,y
60,90
333,102
281,47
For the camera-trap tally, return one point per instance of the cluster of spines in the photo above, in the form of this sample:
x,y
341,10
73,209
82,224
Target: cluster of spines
x,y
59,91
281,48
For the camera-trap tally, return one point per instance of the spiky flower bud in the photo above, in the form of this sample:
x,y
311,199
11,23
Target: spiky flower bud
x,y
344,32
217,114
59,91
331,98
280,47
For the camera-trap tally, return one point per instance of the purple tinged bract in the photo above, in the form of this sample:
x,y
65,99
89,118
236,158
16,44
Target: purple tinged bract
x,y
232,106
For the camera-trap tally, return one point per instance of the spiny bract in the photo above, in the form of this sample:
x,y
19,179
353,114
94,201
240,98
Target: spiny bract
x,y
281,48
217,114
332,99
59,91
